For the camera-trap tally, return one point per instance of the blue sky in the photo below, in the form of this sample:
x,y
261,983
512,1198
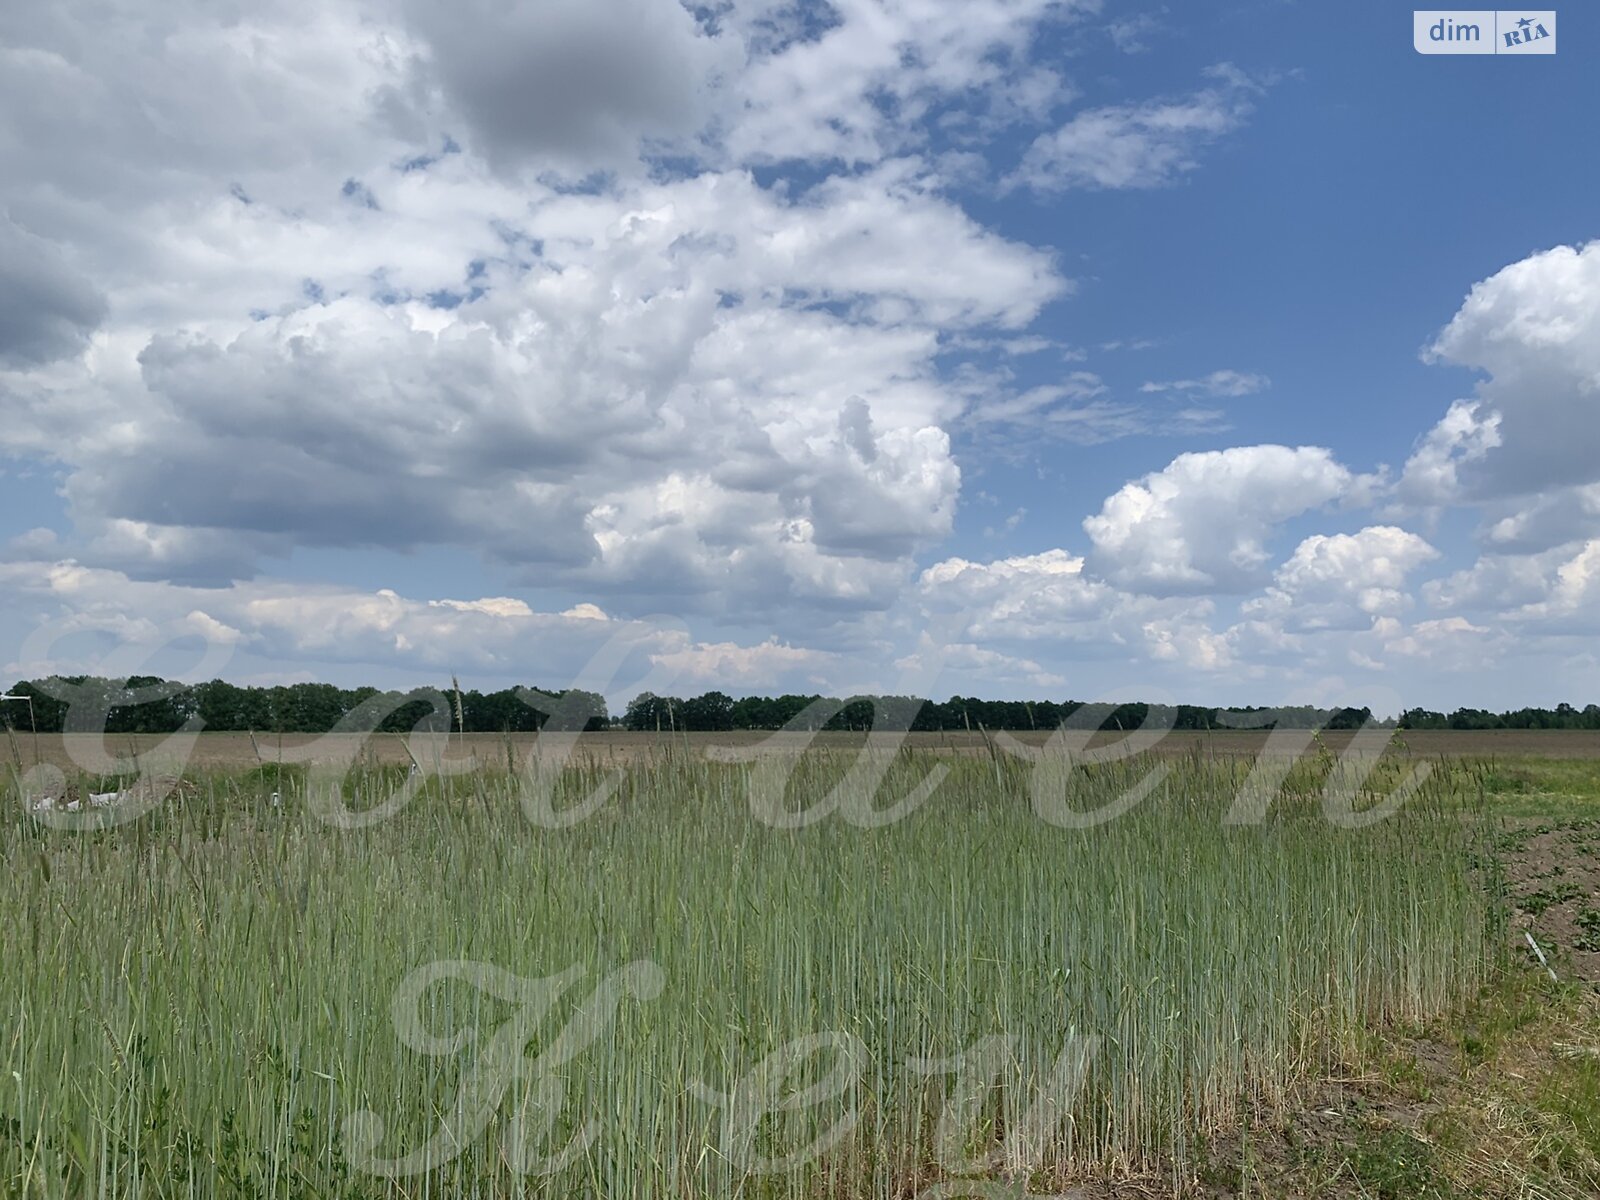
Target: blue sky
x,y
1324,244
1030,348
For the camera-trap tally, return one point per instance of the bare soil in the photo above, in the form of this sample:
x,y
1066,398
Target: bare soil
x,y
1553,875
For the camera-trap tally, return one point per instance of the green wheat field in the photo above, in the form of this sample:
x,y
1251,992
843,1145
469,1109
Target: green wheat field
x,y
704,980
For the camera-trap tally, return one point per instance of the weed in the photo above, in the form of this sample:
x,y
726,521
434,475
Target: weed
x,y
1589,921
1536,903
1392,1164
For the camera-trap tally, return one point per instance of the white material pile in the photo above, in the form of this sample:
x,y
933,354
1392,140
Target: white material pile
x,y
95,800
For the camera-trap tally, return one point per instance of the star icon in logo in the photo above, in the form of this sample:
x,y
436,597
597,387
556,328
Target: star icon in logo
x,y
1525,22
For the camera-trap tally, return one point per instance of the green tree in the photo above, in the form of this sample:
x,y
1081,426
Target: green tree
x,y
710,713
648,712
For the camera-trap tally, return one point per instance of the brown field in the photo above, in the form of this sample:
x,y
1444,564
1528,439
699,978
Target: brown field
x,y
236,749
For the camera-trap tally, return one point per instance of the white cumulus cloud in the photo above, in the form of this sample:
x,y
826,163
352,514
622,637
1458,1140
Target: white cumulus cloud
x,y
1530,440
1344,580
1202,523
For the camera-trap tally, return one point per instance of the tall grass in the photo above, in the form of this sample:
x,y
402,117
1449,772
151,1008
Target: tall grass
x,y
195,1004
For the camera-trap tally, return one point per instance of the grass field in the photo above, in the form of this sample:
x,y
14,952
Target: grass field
x,y
707,981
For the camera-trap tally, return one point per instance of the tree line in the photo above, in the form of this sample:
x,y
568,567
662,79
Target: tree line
x,y
147,704
1562,716
716,711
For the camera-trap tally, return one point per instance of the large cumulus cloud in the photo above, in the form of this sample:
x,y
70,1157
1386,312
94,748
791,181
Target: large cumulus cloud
x,y
1526,448
697,389
1202,523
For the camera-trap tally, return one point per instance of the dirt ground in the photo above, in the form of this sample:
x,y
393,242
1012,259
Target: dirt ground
x,y
237,749
1553,877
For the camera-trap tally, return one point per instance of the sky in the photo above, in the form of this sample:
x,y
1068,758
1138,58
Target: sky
x,y
1216,353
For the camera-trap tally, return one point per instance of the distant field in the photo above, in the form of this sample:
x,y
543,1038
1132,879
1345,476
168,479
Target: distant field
x,y
236,749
